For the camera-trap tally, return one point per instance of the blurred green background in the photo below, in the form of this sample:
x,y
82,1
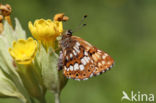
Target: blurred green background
x,y
125,29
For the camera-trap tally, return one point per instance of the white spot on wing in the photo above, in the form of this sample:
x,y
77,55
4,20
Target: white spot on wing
x,y
94,57
83,61
103,62
71,68
67,69
107,69
85,53
71,55
99,50
77,50
81,67
99,64
77,43
91,75
86,59
76,66
103,71
97,55
108,62
98,74
111,66
104,56
74,52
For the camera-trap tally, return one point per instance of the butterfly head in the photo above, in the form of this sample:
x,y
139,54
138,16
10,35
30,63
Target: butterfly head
x,y
66,39
67,34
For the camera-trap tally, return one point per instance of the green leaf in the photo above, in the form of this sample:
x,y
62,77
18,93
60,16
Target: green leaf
x,y
48,62
32,81
8,33
8,88
6,62
53,79
19,32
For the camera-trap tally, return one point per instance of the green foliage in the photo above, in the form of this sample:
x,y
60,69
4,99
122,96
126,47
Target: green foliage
x,y
8,72
28,82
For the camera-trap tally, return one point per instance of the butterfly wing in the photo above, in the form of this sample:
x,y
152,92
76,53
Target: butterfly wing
x,y
82,60
101,60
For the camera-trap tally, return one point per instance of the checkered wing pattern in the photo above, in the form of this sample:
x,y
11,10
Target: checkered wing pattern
x,y
82,60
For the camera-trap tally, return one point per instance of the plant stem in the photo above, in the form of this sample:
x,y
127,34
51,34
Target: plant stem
x,y
57,97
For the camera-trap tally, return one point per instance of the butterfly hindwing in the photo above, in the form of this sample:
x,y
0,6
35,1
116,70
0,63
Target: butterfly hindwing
x,y
101,60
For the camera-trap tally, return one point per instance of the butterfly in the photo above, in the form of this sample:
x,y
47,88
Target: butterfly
x,y
80,60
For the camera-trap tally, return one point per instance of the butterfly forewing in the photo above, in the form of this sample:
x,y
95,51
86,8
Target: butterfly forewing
x,y
80,60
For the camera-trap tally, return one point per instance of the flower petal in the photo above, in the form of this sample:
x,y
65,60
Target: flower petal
x,y
24,51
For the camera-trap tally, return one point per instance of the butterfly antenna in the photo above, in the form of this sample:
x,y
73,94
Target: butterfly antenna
x,y
81,23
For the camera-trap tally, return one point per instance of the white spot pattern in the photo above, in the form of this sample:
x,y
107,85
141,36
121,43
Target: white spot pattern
x,y
77,43
83,61
103,62
104,56
81,67
71,68
108,62
74,52
107,69
71,55
99,50
86,59
76,66
77,50
99,64
67,69
85,53
91,75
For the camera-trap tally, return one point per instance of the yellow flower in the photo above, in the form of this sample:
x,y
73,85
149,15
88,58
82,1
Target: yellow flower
x,y
23,51
46,31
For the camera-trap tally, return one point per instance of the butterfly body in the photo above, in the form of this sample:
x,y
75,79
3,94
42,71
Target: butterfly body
x,y
80,60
